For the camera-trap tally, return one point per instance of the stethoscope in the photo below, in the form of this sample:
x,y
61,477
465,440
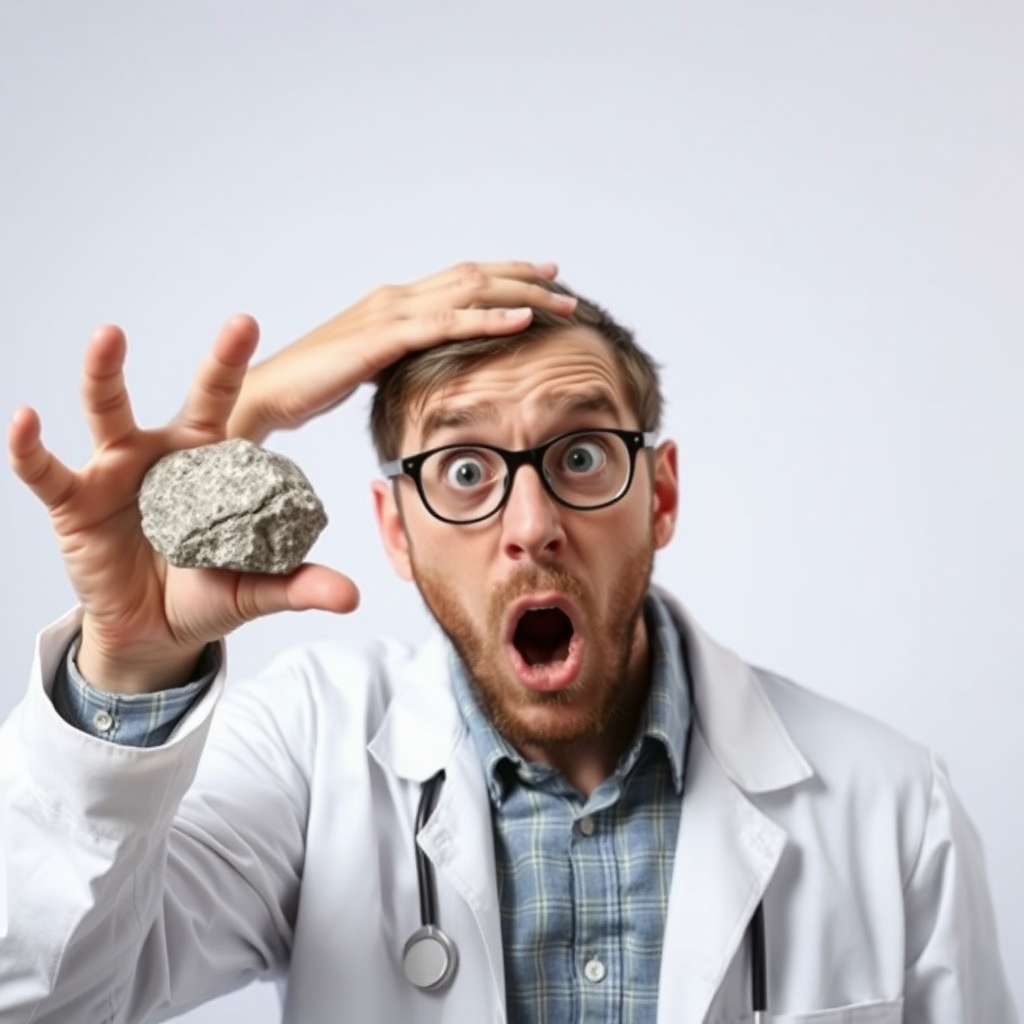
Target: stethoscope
x,y
430,957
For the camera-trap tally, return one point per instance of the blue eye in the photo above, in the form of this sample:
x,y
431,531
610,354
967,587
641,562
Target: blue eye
x,y
465,471
584,457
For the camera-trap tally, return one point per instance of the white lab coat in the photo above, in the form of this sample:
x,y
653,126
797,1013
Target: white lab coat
x,y
276,837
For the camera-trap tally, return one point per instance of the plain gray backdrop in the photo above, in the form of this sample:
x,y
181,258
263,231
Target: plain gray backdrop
x,y
811,213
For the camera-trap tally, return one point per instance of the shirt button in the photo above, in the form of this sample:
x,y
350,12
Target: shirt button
x,y
587,827
595,970
103,721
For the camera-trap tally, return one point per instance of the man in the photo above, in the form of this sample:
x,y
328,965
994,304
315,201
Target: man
x,y
621,804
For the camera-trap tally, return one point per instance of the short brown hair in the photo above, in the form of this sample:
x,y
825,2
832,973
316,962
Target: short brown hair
x,y
413,378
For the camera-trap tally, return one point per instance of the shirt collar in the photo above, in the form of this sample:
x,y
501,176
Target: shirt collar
x,y
666,717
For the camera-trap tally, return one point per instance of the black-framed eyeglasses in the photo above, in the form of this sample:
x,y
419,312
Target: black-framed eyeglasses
x,y
464,483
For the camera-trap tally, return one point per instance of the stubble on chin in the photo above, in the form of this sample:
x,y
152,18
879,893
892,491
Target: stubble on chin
x,y
600,695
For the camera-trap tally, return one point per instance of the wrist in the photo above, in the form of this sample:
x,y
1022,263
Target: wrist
x,y
130,672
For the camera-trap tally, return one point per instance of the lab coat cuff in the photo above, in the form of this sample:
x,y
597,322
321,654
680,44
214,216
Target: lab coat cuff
x,y
105,788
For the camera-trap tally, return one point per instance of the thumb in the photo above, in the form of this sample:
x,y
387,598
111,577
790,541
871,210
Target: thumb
x,y
310,587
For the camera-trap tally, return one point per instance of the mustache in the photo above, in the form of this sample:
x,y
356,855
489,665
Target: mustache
x,y
529,580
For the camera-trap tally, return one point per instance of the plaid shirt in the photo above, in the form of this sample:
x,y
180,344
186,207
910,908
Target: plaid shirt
x,y
584,882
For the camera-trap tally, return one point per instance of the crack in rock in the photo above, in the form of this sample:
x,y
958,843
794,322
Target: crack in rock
x,y
230,505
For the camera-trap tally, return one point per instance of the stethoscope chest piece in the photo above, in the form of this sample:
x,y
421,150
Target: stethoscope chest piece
x,y
429,958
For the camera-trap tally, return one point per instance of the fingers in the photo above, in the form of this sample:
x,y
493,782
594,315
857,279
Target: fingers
x,y
466,301
42,472
506,292
310,587
108,410
218,380
518,269
508,285
424,330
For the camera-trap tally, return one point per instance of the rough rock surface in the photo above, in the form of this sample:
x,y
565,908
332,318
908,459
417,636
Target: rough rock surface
x,y
231,505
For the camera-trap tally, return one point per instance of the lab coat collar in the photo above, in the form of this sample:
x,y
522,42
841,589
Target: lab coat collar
x,y
742,729
422,726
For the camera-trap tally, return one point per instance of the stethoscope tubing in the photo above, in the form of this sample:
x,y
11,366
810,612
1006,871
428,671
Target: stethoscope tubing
x,y
424,869
758,965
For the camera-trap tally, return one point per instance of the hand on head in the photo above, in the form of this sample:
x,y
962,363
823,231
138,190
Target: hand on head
x,y
324,367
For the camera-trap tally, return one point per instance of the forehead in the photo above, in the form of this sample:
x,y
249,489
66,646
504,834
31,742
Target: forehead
x,y
568,372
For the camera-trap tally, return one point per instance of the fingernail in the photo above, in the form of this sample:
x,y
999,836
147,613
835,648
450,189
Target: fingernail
x,y
518,313
547,269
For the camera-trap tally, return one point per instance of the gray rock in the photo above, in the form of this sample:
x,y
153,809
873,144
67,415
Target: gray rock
x,y
230,505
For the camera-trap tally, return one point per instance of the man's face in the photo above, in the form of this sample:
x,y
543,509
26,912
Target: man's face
x,y
542,602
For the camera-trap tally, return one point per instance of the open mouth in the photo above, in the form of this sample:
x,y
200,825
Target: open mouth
x,y
543,636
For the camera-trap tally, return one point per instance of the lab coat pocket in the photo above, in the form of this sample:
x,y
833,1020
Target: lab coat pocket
x,y
889,1012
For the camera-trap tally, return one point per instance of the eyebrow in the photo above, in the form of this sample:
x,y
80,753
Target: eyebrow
x,y
562,402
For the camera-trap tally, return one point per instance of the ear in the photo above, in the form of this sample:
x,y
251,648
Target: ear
x,y
392,529
665,493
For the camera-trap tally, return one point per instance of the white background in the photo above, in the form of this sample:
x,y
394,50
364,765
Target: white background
x,y
810,211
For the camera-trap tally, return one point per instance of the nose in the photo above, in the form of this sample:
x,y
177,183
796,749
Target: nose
x,y
531,520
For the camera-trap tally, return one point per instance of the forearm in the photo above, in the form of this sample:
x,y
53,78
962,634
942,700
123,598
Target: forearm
x,y
248,418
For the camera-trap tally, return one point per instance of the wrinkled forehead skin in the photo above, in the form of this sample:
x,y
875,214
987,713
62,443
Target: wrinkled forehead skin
x,y
578,356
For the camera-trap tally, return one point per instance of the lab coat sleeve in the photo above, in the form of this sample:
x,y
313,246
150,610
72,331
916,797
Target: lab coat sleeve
x,y
116,904
954,972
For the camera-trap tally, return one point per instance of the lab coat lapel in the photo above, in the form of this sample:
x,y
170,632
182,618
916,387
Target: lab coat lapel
x,y
459,841
422,725
726,854
421,734
727,850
